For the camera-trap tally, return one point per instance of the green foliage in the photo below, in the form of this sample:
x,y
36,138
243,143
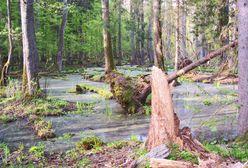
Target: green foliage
x,y
37,151
85,162
101,91
177,154
117,144
4,152
13,89
67,136
148,110
88,143
47,107
140,152
6,118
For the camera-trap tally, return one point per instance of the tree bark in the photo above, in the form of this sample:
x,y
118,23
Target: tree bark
x,y
5,68
108,55
30,54
242,66
159,58
164,124
61,36
119,32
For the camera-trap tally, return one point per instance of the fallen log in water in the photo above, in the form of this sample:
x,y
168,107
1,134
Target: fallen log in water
x,y
147,90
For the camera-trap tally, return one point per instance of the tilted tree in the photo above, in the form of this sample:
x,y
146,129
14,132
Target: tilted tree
x,y
30,54
108,55
5,68
159,58
242,65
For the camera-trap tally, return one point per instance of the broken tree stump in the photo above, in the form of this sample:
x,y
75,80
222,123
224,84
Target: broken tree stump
x,y
164,124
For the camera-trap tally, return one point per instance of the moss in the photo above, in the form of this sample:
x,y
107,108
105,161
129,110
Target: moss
x,y
6,118
89,143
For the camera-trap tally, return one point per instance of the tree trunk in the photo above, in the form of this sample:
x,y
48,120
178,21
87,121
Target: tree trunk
x,y
242,65
164,124
30,54
61,36
150,51
178,50
142,40
119,32
132,32
159,58
183,30
108,55
5,68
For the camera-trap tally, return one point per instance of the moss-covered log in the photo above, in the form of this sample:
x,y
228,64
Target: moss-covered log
x,y
127,91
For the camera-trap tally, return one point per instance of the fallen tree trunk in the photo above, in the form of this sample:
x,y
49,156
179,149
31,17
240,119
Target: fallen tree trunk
x,y
164,163
132,94
147,90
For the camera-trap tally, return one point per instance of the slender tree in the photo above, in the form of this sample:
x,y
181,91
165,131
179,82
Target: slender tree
x,y
61,36
242,65
30,54
7,64
159,58
119,32
108,55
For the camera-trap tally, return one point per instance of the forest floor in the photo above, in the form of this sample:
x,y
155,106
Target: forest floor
x,y
71,117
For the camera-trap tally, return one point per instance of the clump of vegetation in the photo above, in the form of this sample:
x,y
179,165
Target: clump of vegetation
x,y
37,151
84,108
89,143
85,162
177,154
67,136
43,129
6,118
101,91
237,149
4,152
117,144
148,110
47,107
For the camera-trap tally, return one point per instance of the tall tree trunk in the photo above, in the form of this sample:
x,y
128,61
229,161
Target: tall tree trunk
x,y
142,40
108,55
150,51
119,32
132,18
183,30
243,68
159,58
30,54
5,69
178,50
61,36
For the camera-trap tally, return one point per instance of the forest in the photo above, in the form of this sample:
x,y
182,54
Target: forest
x,y
124,83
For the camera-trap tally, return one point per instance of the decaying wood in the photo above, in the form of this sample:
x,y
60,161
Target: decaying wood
x,y
164,163
164,124
147,90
